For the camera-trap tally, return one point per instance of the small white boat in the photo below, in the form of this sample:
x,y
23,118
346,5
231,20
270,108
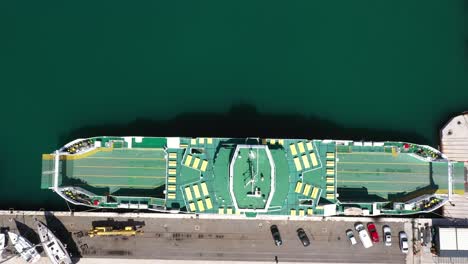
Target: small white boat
x,y
52,246
27,251
2,244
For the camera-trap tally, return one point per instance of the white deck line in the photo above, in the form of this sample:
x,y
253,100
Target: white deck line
x,y
272,175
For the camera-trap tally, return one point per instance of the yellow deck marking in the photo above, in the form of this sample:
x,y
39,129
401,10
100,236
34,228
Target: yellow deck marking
x,y
293,211
292,147
229,211
171,187
281,142
171,179
305,161
201,208
220,210
310,211
209,141
307,190
330,163
196,191
313,158
119,176
172,171
188,193
330,155
386,163
118,167
301,147
203,165
171,196
297,163
208,203
382,181
172,155
309,146
195,163
188,160
330,179
301,212
192,206
204,189
272,141
201,140
298,187
330,196
315,192
172,163
193,141
383,172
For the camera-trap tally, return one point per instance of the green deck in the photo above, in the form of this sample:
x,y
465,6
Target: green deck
x,y
292,176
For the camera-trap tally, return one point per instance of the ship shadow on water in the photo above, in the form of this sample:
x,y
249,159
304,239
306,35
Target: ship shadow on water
x,y
242,121
62,233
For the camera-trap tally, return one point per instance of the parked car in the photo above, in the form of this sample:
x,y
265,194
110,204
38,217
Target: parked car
x,y
303,237
276,235
403,242
373,232
363,235
387,234
350,235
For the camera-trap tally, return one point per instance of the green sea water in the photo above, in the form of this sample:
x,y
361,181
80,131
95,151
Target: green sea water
x,y
65,66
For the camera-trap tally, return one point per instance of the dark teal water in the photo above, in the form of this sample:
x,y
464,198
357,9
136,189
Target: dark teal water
x,y
394,66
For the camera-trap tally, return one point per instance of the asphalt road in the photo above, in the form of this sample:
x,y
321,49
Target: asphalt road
x,y
208,239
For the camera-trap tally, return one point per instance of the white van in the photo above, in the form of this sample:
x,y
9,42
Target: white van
x,y
363,235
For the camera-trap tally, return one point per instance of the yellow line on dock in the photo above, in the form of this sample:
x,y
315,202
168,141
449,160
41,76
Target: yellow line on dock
x,y
382,172
112,167
385,163
120,158
118,176
339,181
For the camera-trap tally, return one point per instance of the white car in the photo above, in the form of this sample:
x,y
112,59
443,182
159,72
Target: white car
x,y
387,235
350,235
363,235
403,242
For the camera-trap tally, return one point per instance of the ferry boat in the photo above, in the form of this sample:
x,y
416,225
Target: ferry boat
x,y
53,247
252,176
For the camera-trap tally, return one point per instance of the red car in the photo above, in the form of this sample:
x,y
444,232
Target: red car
x,y
373,232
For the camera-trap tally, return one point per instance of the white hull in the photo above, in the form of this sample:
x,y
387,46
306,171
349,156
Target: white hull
x,y
52,246
24,248
2,244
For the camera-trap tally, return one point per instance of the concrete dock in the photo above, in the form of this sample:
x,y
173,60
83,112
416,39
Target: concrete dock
x,y
179,237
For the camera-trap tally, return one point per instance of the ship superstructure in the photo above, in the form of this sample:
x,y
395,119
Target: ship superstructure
x,y
252,176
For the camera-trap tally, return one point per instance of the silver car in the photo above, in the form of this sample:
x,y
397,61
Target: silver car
x,y
350,235
387,235
403,242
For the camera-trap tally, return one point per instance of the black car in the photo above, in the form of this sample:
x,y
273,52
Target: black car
x,y
303,237
276,235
